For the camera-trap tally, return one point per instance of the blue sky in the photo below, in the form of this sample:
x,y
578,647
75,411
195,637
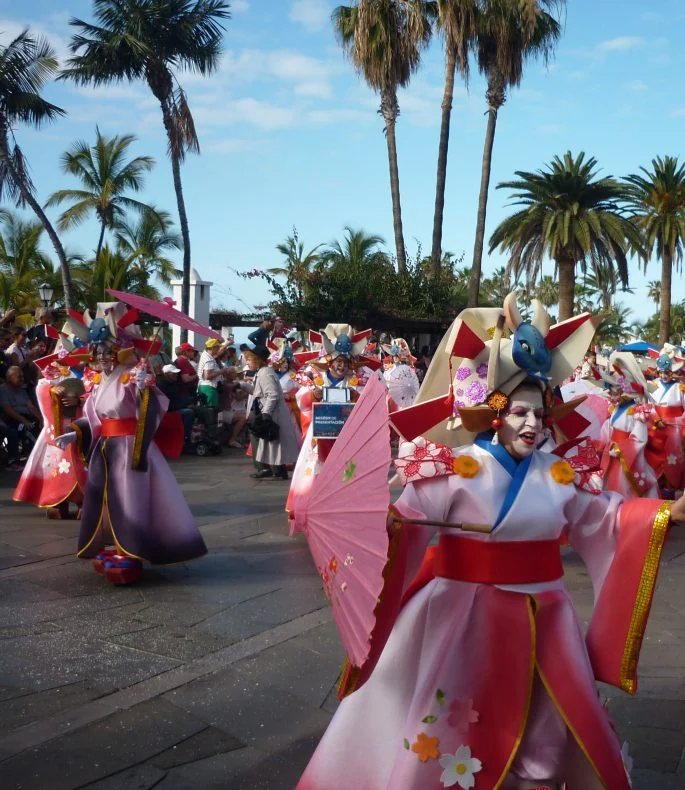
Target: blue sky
x,y
290,135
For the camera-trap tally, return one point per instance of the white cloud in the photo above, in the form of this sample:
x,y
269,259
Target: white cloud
x,y
10,29
619,44
639,86
339,116
549,128
318,90
313,14
239,6
254,112
678,112
230,146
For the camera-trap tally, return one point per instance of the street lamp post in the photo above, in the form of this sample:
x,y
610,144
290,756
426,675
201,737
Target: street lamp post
x,y
45,292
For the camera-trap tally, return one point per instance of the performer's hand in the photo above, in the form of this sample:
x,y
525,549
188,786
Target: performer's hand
x,y
65,440
70,400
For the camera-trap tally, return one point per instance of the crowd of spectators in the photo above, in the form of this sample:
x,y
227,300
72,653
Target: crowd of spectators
x,y
208,387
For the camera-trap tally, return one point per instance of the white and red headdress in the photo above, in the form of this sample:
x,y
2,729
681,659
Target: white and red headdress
x,y
493,350
398,348
625,373
282,348
340,340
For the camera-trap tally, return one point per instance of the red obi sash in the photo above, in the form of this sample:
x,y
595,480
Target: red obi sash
x,y
124,426
493,562
168,437
669,412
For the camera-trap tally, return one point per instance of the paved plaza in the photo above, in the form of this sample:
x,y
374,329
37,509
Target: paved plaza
x,y
221,673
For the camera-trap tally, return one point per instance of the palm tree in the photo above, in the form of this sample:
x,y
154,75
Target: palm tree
x,y
106,175
147,242
299,265
457,21
384,39
654,292
571,216
616,327
26,64
23,266
658,199
151,40
507,35
547,291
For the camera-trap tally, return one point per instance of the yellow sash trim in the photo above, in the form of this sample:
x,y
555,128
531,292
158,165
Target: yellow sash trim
x,y
643,600
140,428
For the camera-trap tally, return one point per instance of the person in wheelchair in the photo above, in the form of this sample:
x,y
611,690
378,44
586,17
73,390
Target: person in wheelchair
x,y
20,415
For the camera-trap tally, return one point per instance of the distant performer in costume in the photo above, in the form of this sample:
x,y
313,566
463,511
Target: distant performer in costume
x,y
666,439
399,373
132,500
54,477
480,674
340,366
625,434
282,360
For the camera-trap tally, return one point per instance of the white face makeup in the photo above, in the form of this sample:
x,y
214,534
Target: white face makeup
x,y
339,367
104,358
521,430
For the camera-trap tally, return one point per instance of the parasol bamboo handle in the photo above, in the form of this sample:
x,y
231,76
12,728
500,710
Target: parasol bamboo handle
x,y
485,528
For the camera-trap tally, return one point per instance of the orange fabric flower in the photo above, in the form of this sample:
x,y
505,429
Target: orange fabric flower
x,y
354,382
465,466
562,472
630,410
426,747
318,381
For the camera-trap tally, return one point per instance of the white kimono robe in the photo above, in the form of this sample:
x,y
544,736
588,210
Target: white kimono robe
x,y
499,676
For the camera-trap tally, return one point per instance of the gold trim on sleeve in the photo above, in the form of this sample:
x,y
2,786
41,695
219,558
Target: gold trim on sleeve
x,y
643,600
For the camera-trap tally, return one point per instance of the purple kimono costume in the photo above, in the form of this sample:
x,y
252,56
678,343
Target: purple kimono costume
x,y
131,492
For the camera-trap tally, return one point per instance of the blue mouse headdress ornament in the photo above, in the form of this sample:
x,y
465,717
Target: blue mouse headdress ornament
x,y
529,350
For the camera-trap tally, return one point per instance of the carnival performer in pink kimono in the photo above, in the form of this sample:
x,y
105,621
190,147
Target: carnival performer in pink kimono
x,y
665,452
479,674
626,433
132,500
54,477
340,366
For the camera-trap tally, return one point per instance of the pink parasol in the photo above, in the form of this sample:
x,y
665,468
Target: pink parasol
x,y
165,311
344,519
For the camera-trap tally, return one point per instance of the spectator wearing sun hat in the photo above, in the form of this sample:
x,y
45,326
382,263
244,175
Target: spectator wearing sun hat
x,y
185,353
210,373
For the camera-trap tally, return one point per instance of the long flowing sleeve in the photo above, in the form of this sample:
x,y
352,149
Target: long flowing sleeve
x,y
621,542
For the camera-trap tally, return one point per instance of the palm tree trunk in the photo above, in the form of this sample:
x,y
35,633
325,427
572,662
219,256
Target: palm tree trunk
x,y
567,285
494,89
182,216
448,94
665,317
390,111
100,240
26,195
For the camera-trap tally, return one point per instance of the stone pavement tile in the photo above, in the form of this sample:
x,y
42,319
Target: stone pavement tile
x,y
653,780
295,562
214,773
255,710
178,643
105,597
32,538
57,765
20,710
666,714
48,660
81,580
204,744
265,611
11,556
140,777
292,668
24,591
654,749
277,771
